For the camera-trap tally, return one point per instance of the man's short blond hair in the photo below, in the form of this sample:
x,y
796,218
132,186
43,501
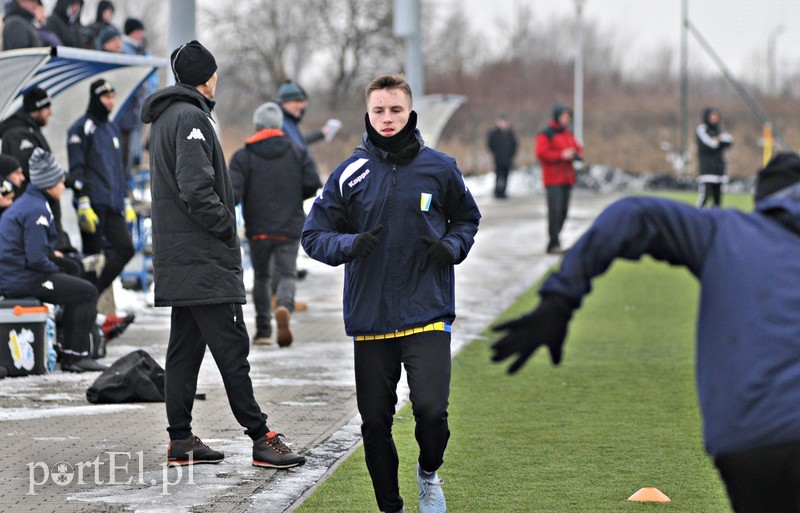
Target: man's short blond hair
x,y
389,81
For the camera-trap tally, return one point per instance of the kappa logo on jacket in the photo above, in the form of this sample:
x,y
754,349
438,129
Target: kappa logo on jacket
x,y
196,134
74,139
43,221
349,171
25,144
89,127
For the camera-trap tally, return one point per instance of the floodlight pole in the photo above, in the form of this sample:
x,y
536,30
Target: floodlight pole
x,y
684,138
578,92
182,26
407,25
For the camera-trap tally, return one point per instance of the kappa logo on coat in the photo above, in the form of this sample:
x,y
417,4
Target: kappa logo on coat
x,y
43,221
48,285
89,127
74,139
25,144
196,134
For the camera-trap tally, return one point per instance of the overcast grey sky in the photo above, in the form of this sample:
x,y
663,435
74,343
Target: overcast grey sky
x,y
739,30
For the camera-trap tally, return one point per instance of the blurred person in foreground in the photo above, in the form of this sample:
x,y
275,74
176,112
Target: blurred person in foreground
x,y
11,178
272,176
748,324
400,217
197,262
557,150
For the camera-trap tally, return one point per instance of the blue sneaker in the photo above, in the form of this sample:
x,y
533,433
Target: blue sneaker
x,y
431,496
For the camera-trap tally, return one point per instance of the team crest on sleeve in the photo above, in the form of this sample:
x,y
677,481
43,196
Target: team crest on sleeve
x,y
196,134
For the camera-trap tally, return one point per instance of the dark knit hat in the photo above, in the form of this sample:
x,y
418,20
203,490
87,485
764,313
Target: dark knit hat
x,y
35,99
289,91
132,24
100,87
8,165
780,172
268,115
44,170
106,34
102,7
192,64
558,108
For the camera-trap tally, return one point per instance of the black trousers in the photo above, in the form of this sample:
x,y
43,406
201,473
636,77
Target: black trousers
x,y
426,357
114,239
222,329
501,179
763,480
79,298
274,270
557,209
712,191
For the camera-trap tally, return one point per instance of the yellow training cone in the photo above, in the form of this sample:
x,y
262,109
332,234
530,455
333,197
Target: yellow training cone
x,y
649,494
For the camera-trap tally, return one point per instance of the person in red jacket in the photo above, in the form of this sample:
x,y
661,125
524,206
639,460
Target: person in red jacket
x,y
557,149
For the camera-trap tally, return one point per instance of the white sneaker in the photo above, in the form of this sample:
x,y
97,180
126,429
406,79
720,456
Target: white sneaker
x,y
431,496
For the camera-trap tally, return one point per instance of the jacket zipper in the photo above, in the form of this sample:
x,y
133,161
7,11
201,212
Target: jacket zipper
x,y
392,250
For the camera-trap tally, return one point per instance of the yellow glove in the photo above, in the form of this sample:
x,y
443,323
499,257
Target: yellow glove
x,y
87,218
130,213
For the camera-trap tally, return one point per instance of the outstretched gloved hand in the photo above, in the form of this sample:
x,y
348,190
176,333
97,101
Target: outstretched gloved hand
x,y
366,242
438,251
546,325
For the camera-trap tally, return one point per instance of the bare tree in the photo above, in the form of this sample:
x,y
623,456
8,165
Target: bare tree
x,y
357,37
263,42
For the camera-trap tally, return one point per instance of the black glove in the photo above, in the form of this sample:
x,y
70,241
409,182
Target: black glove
x,y
546,325
366,242
438,251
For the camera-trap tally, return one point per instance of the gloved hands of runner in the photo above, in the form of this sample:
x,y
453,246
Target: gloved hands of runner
x,y
87,218
546,325
366,242
438,251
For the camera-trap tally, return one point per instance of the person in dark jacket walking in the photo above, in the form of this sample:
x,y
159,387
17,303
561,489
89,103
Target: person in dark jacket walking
x,y
197,262
65,22
105,11
502,142
399,216
748,355
271,177
19,30
712,141
557,150
28,236
293,101
21,133
101,184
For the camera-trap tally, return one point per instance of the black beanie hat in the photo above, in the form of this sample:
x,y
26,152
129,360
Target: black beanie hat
x,y
35,99
780,172
96,90
102,7
192,64
8,164
132,24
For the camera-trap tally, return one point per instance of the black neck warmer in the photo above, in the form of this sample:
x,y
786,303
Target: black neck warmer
x,y
403,146
97,109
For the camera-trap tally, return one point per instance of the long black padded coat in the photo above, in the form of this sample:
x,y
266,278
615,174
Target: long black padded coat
x,y
196,253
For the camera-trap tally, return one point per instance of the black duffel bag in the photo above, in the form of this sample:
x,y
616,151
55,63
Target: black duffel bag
x,y
136,377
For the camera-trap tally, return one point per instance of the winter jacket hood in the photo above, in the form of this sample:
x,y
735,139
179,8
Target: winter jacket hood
x,y
158,102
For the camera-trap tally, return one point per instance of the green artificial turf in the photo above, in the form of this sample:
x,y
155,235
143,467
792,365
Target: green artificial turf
x,y
619,414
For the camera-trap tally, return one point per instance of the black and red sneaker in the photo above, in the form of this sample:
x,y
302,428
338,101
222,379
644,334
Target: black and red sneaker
x,y
114,325
270,451
191,451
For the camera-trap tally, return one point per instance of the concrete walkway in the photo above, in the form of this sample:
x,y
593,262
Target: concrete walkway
x,y
62,454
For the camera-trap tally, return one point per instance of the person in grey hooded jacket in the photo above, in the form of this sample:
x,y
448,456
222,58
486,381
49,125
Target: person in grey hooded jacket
x,y
197,262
